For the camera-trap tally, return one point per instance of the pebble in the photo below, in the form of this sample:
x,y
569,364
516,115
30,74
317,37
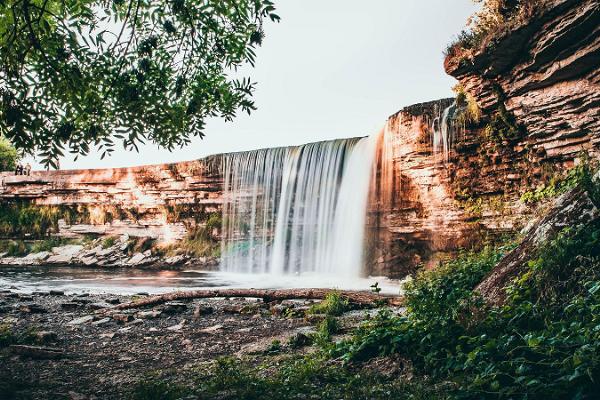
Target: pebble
x,y
178,327
122,317
174,307
102,321
98,306
212,329
148,314
81,320
201,310
46,336
70,306
32,308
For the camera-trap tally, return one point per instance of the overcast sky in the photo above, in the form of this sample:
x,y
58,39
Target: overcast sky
x,y
329,69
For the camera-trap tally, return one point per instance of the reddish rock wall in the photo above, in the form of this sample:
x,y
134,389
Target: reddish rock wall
x,y
160,201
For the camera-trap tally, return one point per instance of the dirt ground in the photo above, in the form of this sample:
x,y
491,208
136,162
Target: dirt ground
x,y
101,356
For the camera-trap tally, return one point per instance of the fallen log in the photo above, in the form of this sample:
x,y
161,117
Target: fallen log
x,y
268,295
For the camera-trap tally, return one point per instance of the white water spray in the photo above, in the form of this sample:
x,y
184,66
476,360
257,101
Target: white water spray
x,y
297,210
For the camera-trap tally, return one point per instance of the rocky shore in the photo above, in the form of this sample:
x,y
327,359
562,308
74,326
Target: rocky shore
x,y
57,346
118,252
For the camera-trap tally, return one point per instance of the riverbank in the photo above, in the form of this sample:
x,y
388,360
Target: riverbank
x,y
112,252
56,346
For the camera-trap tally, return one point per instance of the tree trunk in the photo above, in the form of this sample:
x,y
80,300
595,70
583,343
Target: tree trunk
x,y
268,295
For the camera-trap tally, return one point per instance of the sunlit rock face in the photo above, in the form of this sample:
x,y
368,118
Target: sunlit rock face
x,y
159,201
548,71
436,186
438,202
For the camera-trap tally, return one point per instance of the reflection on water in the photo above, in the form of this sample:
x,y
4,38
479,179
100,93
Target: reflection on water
x,y
131,281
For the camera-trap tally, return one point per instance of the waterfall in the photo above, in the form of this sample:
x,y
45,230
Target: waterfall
x,y
443,132
297,210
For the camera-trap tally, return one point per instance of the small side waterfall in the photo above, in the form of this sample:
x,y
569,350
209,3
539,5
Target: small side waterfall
x,y
444,132
297,209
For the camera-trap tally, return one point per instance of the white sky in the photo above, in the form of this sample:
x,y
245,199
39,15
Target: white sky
x,y
329,69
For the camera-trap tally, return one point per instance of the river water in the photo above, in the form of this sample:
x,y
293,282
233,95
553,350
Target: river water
x,y
127,281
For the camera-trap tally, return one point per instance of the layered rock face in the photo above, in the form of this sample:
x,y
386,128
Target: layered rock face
x,y
437,204
546,73
423,205
158,201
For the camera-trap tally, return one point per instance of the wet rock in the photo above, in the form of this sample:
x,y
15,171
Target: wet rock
x,y
148,314
45,337
175,260
98,306
201,310
70,306
32,308
178,327
102,321
113,300
25,298
81,300
122,317
174,307
211,330
233,308
136,259
56,293
81,320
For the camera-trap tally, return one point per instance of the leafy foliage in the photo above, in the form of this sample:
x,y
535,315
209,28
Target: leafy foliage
x,y
543,343
581,175
334,304
8,155
488,24
295,378
82,73
20,219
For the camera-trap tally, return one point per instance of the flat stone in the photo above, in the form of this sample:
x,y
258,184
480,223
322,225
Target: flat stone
x,y
70,306
81,320
178,327
32,308
201,310
46,336
98,306
211,330
148,314
174,307
102,321
122,317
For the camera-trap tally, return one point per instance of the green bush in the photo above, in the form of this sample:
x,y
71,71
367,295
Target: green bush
x,y
22,218
334,304
581,175
543,343
8,155
301,378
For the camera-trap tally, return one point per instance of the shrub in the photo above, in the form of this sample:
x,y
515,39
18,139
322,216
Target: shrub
x,y
8,155
334,304
157,389
543,343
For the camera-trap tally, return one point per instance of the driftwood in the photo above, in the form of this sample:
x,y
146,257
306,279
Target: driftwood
x,y
268,295
37,352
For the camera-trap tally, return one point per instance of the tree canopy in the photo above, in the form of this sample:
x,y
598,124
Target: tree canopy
x,y
83,74
8,155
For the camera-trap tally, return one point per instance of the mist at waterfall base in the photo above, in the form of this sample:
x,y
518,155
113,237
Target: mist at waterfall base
x,y
296,216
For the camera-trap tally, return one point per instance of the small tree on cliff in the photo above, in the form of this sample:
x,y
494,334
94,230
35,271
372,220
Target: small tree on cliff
x,y
8,155
81,73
